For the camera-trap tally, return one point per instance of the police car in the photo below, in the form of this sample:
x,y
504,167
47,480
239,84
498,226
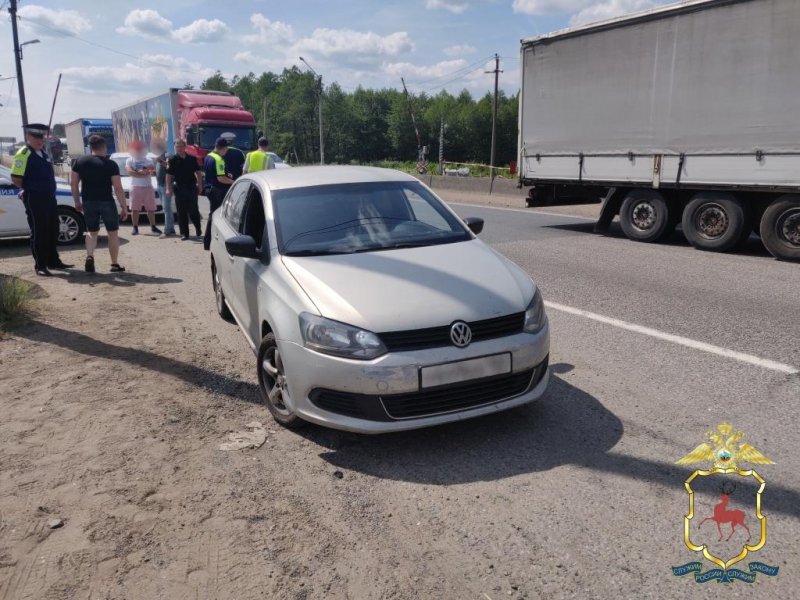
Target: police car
x,y
14,223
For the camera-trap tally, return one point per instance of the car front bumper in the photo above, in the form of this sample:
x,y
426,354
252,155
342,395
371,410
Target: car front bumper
x,y
384,395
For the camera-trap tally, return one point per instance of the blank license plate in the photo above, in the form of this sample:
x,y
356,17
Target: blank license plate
x,y
464,370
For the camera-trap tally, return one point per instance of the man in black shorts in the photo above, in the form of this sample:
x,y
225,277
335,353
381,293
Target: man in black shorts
x,y
96,175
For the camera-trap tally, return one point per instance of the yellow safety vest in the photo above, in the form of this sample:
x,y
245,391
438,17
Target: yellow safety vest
x,y
220,162
258,160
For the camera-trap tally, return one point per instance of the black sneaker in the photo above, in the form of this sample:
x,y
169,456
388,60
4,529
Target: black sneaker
x,y
184,238
155,229
135,230
88,266
43,272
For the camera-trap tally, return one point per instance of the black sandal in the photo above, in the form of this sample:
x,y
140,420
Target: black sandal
x,y
115,268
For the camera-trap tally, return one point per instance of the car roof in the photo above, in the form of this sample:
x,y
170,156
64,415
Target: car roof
x,y
298,177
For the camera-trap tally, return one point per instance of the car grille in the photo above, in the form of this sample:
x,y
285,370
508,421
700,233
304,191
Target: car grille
x,y
459,396
444,399
433,337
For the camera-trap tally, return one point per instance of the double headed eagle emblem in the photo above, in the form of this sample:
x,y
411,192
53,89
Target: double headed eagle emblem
x,y
725,450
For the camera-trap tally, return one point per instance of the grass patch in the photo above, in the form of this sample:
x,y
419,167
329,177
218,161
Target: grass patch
x,y
16,300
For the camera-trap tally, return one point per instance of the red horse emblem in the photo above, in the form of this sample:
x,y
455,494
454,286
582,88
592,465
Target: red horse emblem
x,y
723,515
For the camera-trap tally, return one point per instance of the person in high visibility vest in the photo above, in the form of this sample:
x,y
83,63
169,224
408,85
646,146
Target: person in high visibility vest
x,y
259,160
218,182
33,172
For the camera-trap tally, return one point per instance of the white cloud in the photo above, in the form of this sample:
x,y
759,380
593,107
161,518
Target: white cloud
x,y
147,23
405,69
269,62
454,6
459,50
53,22
201,31
150,24
599,11
269,32
155,70
583,11
355,46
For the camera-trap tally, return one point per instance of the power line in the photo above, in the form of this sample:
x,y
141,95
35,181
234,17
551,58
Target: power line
x,y
120,52
446,83
450,74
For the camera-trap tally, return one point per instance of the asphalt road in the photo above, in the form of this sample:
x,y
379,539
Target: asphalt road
x,y
577,496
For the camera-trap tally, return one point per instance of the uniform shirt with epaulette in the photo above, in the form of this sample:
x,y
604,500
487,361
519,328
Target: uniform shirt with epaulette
x,y
36,171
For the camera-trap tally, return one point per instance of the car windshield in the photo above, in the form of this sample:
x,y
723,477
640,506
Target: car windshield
x,y
362,217
245,138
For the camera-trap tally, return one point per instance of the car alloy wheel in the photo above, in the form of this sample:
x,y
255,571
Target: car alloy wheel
x,y
273,384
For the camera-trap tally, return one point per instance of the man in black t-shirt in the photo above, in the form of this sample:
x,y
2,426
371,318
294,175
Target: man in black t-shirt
x,y
185,181
97,175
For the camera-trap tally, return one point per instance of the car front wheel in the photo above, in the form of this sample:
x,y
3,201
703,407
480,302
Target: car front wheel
x,y
272,383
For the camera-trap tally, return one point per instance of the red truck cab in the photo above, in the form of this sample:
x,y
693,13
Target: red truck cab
x,y
204,116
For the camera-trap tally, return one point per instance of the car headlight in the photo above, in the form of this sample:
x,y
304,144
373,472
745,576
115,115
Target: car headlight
x,y
535,317
339,339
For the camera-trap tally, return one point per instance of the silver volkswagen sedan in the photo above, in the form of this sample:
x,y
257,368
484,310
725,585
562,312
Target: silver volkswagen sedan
x,y
370,305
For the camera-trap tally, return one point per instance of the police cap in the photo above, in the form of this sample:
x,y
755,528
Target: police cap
x,y
37,129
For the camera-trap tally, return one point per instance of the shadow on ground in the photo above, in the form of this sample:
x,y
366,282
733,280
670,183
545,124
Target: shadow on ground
x,y
192,374
752,247
566,427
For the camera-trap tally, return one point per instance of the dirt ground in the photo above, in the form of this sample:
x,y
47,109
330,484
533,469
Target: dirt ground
x,y
114,405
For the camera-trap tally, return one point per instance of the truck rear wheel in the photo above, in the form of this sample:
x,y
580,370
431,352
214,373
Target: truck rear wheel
x,y
644,216
780,228
715,221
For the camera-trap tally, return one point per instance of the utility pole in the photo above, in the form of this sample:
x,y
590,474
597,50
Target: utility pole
x,y
321,139
12,9
321,89
441,148
264,124
496,72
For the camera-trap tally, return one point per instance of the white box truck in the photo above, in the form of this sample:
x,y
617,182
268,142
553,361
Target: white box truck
x,y
684,114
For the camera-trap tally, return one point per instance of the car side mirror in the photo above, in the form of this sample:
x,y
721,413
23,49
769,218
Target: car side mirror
x,y
475,224
243,246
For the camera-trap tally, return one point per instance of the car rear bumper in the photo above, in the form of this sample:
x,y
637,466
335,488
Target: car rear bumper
x,y
384,395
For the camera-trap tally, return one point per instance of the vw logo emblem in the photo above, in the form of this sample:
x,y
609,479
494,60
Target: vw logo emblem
x,y
460,334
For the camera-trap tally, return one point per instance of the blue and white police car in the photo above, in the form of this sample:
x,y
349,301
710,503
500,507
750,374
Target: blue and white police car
x,y
14,223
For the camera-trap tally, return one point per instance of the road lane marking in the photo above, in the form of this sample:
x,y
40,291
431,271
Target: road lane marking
x,y
677,339
522,210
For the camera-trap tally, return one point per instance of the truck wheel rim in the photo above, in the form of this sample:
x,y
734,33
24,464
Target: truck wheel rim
x,y
644,216
67,228
789,226
711,221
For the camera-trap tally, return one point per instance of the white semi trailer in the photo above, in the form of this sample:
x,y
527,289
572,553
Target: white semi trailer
x,y
685,114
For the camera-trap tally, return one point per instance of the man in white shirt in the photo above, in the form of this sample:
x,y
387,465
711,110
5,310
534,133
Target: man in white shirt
x,y
143,197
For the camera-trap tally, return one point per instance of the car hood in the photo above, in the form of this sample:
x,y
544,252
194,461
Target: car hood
x,y
413,288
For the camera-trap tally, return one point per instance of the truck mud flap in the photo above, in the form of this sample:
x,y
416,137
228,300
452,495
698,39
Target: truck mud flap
x,y
610,209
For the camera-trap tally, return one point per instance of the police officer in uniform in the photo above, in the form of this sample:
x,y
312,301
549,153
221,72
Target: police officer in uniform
x,y
33,172
218,182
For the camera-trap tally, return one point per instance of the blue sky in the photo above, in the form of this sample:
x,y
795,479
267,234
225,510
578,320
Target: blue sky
x,y
112,52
